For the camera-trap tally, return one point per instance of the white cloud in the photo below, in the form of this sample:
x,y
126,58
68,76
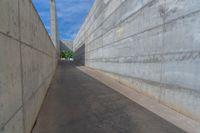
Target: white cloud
x,y
71,14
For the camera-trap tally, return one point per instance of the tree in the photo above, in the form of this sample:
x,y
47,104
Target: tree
x,y
66,54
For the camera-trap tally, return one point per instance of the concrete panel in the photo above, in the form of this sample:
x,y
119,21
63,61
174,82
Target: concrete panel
x,y
181,69
25,21
183,35
175,8
128,22
34,70
37,32
33,104
10,78
28,61
31,71
15,125
182,73
30,113
112,6
9,23
182,100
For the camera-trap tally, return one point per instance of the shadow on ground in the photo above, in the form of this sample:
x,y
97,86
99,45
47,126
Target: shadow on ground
x,y
80,56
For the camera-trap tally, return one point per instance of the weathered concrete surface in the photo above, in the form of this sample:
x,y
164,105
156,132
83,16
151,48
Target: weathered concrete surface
x,y
150,45
27,63
77,103
181,121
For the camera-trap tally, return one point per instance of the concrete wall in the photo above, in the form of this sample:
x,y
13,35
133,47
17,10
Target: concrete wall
x,y
66,45
152,46
27,64
79,55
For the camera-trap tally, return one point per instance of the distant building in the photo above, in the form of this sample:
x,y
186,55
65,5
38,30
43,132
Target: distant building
x,y
66,45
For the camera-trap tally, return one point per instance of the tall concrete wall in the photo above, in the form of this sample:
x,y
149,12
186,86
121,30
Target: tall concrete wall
x,y
66,45
27,64
152,46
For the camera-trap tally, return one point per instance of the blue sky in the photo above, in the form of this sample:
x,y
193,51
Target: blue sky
x,y
71,14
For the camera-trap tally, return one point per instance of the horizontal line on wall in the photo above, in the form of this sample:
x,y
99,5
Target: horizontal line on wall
x,y
153,58
90,18
21,42
13,115
101,24
155,83
120,22
134,14
152,28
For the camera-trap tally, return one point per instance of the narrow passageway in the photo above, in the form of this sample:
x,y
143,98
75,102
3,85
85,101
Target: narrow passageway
x,y
77,103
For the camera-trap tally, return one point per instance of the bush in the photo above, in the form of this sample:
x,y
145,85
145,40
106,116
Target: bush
x,y
66,54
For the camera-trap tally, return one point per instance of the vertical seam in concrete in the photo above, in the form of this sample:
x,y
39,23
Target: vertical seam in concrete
x,y
162,49
21,63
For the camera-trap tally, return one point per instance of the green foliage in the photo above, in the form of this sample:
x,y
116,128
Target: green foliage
x,y
66,54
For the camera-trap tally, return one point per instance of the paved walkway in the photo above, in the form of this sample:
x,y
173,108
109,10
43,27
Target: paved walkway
x,y
77,103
